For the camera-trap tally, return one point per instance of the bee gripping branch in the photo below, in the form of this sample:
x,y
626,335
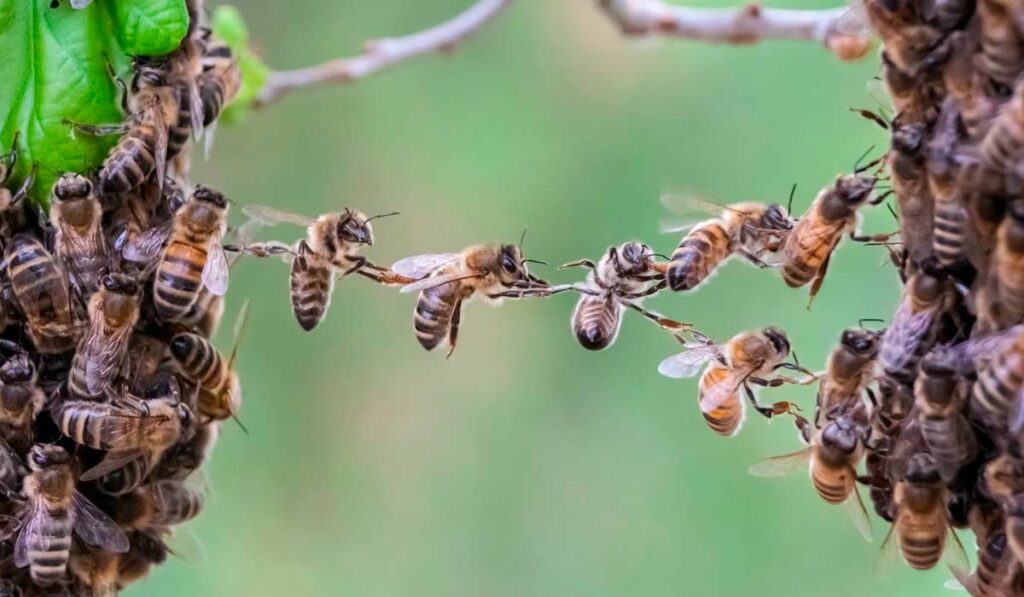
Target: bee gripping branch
x,y
748,24
382,54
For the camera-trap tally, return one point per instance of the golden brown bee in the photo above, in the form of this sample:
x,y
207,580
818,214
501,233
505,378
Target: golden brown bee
x,y
76,214
848,372
922,528
994,574
220,393
946,433
998,360
748,358
911,332
193,256
1006,268
908,39
40,287
446,281
623,278
832,457
204,316
833,213
752,230
96,569
20,401
220,80
158,505
959,76
55,510
113,311
146,551
329,250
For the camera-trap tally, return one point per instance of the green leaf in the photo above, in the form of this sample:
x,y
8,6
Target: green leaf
x,y
228,25
55,68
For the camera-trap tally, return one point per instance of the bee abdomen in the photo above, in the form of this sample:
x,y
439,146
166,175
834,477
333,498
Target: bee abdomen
x,y
995,389
698,254
311,288
948,233
727,417
833,491
921,549
433,316
596,321
990,559
125,479
48,551
178,280
213,94
130,162
942,440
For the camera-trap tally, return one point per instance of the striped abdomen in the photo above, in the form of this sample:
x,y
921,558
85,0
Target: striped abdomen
x,y
179,133
596,321
942,435
177,503
131,161
199,360
1004,142
1008,270
728,416
950,221
832,484
997,386
98,425
178,278
41,288
1001,57
204,316
701,251
312,283
127,478
807,247
17,415
48,550
993,560
922,541
432,318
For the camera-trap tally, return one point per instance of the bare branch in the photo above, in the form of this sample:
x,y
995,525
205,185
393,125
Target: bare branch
x,y
744,25
381,54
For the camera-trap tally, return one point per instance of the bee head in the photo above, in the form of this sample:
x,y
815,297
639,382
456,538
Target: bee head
x,y
776,218
634,256
149,72
778,339
861,342
908,138
120,284
207,195
841,435
354,227
854,189
510,264
17,369
72,186
921,470
43,456
927,286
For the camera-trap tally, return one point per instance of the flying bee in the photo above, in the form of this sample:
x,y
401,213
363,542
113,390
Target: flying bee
x,y
911,332
1006,269
748,358
831,459
76,215
834,212
40,287
946,433
848,371
55,509
20,401
752,230
922,529
446,281
193,257
113,312
623,277
329,249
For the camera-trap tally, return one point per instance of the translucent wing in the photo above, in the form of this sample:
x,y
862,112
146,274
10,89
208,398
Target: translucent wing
x,y
271,216
110,463
155,116
689,362
855,20
954,555
1017,412
195,107
104,357
215,272
905,334
676,226
146,246
854,506
183,544
80,4
96,528
688,204
963,357
435,281
210,133
36,519
888,559
723,390
776,466
421,266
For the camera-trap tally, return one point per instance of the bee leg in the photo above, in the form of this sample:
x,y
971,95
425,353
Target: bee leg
x,y
658,318
579,263
752,258
777,408
819,279
872,238
359,263
382,275
453,331
22,191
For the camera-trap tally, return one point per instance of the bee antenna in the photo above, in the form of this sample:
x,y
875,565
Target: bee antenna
x,y
393,213
792,193
240,424
857,168
534,261
240,325
861,321
662,255
522,239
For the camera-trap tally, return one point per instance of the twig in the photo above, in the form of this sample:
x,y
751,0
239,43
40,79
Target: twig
x,y
381,54
744,25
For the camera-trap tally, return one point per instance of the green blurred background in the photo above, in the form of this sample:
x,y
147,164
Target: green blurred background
x,y
526,465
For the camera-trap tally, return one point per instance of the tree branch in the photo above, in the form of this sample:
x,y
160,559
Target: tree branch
x,y
745,25
381,54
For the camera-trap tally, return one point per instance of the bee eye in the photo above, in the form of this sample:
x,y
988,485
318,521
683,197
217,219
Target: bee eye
x,y
109,282
508,265
38,459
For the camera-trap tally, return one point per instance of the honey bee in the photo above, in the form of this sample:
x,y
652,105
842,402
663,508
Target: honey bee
x,y
909,41
1001,55
809,245
1003,146
329,250
945,431
219,389
848,372
922,529
752,230
147,551
832,457
907,173
622,278
20,401
911,332
950,215
446,281
748,358
975,105
40,287
193,257
187,457
75,214
220,80
55,510
113,312
912,98
158,505
1007,266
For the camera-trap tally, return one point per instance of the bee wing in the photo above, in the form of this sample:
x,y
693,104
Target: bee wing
x,y
270,216
720,392
96,528
854,506
110,463
154,116
183,544
954,555
146,246
80,4
903,336
34,521
421,266
888,559
103,358
855,20
962,357
215,272
195,107
689,362
435,281
675,226
688,204
776,466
